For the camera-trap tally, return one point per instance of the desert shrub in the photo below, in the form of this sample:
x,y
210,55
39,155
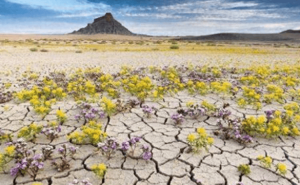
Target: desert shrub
x,y
78,51
33,49
174,47
43,50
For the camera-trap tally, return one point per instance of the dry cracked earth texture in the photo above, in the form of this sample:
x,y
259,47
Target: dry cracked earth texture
x,y
170,164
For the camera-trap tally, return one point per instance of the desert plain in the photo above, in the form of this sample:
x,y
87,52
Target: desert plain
x,y
158,98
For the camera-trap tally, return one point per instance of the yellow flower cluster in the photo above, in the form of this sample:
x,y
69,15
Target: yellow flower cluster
x,y
99,169
208,106
274,93
137,86
125,70
249,97
37,183
279,125
291,81
216,72
30,132
281,167
41,98
199,140
61,116
159,92
244,169
90,88
108,106
295,94
220,87
7,156
109,85
265,161
7,85
199,87
90,134
10,150
172,76
250,80
4,137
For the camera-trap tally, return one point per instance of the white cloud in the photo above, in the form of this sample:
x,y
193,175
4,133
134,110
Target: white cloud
x,y
211,10
61,5
83,14
208,27
156,15
44,27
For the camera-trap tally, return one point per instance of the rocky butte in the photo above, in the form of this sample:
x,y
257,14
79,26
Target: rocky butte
x,y
104,25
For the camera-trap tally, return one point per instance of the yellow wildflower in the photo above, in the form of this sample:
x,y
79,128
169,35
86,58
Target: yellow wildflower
x,y
191,137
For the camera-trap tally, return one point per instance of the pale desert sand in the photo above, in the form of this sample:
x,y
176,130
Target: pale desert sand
x,y
170,163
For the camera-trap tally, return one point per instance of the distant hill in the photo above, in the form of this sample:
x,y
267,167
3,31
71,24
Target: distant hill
x,y
104,25
291,31
276,37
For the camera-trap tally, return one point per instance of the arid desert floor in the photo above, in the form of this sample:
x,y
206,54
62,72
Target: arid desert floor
x,y
77,92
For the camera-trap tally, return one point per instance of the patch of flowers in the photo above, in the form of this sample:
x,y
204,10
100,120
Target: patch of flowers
x,y
61,116
129,147
30,132
66,155
51,130
91,133
274,123
88,112
99,169
109,107
244,169
147,110
200,140
267,162
5,137
85,181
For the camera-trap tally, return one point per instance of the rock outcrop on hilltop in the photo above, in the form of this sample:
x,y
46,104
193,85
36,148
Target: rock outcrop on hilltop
x,y
104,25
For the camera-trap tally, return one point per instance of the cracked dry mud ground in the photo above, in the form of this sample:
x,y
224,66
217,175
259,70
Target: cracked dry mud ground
x,y
170,163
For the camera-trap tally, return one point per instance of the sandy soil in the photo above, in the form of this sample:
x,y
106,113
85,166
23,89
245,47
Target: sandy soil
x,y
170,164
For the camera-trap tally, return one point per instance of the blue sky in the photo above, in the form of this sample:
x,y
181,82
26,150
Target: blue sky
x,y
153,17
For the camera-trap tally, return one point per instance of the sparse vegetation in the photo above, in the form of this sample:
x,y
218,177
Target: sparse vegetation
x,y
174,47
33,49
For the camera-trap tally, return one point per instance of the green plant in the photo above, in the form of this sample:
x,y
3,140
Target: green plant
x,y
174,47
7,156
30,132
244,169
91,133
44,50
33,49
281,167
265,161
199,140
99,169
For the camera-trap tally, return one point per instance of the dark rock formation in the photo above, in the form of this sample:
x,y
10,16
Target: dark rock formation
x,y
104,25
291,31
